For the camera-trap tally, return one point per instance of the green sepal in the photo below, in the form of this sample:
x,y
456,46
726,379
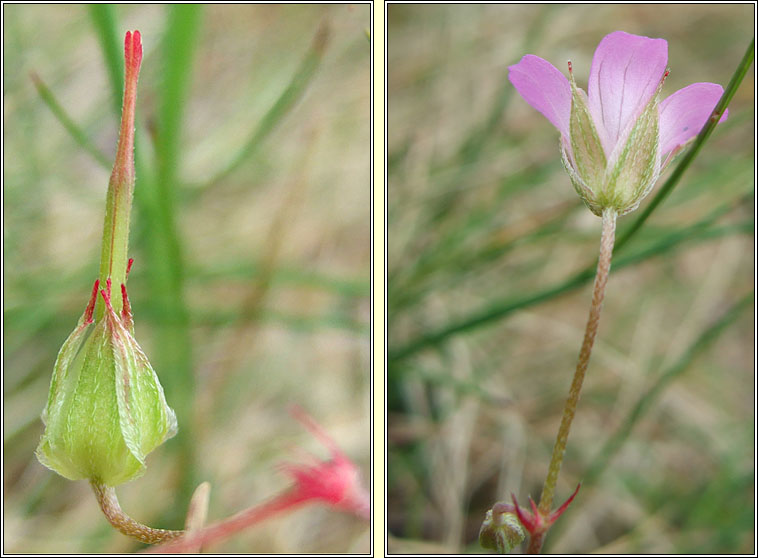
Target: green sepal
x,y
636,166
62,366
587,194
146,419
586,147
106,409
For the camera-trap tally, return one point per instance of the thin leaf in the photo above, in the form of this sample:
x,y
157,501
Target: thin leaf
x,y
103,18
164,248
283,105
68,123
498,309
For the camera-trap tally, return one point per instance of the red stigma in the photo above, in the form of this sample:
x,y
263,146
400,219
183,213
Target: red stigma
x,y
133,50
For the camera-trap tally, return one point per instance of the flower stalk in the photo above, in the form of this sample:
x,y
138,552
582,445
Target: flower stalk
x,y
106,497
607,238
598,293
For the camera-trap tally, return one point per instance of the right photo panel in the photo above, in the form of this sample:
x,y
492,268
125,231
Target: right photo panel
x,y
570,279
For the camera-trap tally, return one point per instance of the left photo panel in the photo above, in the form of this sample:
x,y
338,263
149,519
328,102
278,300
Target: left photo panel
x,y
187,279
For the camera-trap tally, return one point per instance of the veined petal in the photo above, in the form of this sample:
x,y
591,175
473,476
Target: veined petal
x,y
545,88
684,113
625,73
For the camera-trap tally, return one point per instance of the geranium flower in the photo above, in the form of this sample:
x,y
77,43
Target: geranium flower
x,y
617,138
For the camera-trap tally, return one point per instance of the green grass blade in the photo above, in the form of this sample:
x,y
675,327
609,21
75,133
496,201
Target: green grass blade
x,y
472,148
71,127
164,248
498,309
178,48
283,105
103,18
704,134
344,287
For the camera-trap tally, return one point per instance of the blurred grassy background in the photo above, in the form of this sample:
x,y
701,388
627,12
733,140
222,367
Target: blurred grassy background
x,y
251,232
484,232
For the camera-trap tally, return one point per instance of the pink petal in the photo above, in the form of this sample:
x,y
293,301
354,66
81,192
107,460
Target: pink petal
x,y
626,70
684,113
545,88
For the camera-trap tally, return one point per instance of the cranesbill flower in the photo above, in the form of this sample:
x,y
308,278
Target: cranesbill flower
x,y
618,136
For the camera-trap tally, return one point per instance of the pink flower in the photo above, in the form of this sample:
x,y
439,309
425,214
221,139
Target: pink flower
x,y
617,137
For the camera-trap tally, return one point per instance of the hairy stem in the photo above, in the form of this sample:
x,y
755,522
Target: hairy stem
x,y
106,497
601,278
118,204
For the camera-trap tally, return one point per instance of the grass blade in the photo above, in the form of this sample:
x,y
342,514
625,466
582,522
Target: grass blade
x,y
645,402
71,127
103,18
164,248
496,310
283,105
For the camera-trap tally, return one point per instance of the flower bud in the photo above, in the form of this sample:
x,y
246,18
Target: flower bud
x,y
106,409
501,532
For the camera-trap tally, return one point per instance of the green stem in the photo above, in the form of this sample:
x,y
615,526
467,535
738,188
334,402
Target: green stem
x,y
164,249
114,255
601,279
104,20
